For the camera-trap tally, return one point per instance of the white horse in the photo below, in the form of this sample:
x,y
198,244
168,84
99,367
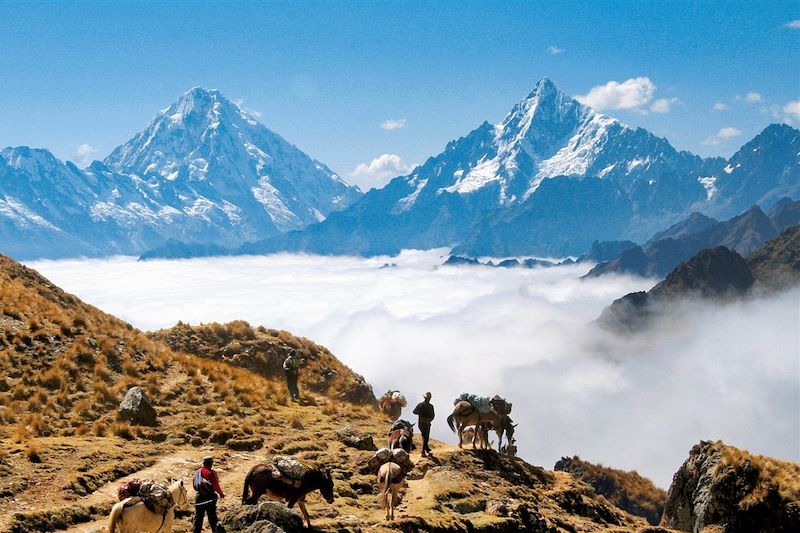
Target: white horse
x,y
137,518
390,479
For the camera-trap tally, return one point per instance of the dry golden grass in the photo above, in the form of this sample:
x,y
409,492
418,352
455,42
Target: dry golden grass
x,y
627,490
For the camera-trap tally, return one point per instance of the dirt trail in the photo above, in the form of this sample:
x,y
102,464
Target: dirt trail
x,y
231,467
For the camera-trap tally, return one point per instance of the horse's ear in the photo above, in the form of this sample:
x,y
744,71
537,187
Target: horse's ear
x,y
514,425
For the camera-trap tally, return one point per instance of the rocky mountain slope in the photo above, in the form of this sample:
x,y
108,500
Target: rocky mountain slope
x,y
714,273
722,488
550,179
66,365
743,233
203,170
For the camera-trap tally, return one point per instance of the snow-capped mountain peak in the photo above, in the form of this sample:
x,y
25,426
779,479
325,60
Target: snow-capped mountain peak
x,y
213,152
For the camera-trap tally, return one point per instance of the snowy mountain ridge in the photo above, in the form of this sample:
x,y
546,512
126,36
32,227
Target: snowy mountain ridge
x,y
203,170
550,179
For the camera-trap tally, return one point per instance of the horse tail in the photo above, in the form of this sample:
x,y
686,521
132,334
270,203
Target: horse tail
x,y
450,423
113,518
246,490
383,486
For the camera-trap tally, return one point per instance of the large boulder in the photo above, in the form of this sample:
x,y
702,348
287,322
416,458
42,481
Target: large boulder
x,y
733,490
356,439
256,518
136,408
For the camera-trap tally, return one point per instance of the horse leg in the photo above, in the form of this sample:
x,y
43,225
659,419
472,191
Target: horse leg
x,y
302,504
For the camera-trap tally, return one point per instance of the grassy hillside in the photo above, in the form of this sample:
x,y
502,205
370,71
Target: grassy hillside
x,y
626,490
263,351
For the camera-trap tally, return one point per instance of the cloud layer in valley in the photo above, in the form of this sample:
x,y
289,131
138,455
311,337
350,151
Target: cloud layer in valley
x,y
638,403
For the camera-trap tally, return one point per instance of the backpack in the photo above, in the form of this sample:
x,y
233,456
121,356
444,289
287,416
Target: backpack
x,y
201,484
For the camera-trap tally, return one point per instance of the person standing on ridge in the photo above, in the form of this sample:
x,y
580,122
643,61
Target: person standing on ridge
x,y
206,483
291,367
425,414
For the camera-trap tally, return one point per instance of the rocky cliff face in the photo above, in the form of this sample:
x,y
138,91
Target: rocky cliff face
x,y
735,491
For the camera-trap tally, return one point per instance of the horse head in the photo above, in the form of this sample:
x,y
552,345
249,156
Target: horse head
x,y
326,487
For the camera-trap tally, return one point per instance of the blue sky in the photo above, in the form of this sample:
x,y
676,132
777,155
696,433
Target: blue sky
x,y
80,78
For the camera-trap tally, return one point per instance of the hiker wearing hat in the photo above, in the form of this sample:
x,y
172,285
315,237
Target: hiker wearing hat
x,y
206,483
425,414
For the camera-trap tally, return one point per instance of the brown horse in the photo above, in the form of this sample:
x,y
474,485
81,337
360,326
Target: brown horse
x,y
464,414
391,407
402,437
390,479
260,481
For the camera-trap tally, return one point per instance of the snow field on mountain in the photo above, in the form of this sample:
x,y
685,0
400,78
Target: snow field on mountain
x,y
728,372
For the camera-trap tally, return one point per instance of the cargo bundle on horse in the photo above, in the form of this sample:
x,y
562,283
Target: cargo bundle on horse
x,y
287,479
151,510
478,411
392,403
392,467
401,435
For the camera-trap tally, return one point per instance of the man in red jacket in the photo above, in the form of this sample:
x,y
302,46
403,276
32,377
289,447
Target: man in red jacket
x,y
206,483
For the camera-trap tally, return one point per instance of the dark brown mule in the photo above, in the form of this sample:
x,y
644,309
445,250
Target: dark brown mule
x,y
259,481
402,437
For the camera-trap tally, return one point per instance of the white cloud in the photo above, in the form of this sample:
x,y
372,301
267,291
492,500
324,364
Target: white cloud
x,y
720,106
84,154
632,94
721,136
393,124
252,112
633,403
379,171
751,98
793,25
554,50
663,105
792,111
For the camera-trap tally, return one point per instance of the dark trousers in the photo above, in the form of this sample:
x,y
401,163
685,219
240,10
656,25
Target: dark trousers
x,y
425,430
291,383
205,505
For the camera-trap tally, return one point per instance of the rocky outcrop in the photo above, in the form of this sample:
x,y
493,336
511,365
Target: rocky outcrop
x,y
264,517
627,490
136,408
355,439
723,486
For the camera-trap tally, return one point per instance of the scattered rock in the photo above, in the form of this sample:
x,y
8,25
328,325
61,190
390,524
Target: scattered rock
x,y
137,409
258,517
356,439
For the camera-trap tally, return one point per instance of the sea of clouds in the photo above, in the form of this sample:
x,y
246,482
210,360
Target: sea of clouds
x,y
705,372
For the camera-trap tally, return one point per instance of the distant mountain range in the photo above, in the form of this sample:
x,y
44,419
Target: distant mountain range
x,y
550,179
202,171
662,253
204,178
718,273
